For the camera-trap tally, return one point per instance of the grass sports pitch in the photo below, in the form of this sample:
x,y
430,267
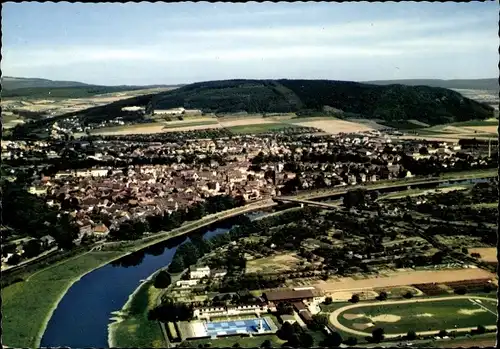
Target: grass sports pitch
x,y
434,315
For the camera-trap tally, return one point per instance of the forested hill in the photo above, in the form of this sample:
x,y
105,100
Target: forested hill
x,y
431,105
393,102
472,84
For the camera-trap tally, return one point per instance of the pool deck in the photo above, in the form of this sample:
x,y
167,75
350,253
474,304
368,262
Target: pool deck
x,y
204,329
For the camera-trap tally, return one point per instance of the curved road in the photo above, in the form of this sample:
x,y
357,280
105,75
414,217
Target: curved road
x,y
335,322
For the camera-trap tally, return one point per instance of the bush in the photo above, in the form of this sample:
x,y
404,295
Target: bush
x,y
382,296
378,335
411,335
354,298
461,290
480,330
442,333
266,344
162,280
408,295
328,300
488,288
351,341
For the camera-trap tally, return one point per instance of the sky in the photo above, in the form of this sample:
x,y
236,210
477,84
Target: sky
x,y
174,43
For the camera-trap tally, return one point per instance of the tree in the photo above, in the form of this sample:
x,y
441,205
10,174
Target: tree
x,y
266,344
382,296
480,329
442,333
465,250
408,295
423,151
14,259
319,322
236,345
354,298
328,300
306,340
177,265
378,335
286,331
461,290
284,309
351,341
334,339
32,248
411,335
162,280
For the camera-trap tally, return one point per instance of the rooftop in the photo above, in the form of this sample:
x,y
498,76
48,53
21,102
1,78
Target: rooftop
x,y
288,294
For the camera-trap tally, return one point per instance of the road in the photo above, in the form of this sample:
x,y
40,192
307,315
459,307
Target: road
x,y
452,177
335,322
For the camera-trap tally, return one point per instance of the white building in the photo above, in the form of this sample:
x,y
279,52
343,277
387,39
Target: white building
x,y
187,283
170,111
134,108
219,273
199,272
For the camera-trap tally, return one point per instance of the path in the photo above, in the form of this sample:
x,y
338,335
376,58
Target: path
x,y
335,322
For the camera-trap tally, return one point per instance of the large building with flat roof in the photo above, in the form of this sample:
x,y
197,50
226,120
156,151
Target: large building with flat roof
x,y
288,295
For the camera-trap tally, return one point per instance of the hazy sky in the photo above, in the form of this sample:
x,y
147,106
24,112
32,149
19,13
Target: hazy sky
x,y
167,43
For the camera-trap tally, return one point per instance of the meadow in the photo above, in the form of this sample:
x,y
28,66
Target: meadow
x,y
132,327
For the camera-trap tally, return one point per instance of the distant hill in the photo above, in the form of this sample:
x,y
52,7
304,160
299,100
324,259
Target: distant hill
x,y
12,83
15,87
431,105
472,84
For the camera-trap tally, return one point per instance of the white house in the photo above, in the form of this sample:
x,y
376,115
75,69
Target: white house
x,y
199,272
219,273
134,108
187,283
170,111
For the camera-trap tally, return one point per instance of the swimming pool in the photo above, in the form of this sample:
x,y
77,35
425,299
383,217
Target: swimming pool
x,y
221,328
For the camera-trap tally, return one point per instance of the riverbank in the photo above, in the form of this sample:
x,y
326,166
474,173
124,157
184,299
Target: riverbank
x,y
38,296
131,327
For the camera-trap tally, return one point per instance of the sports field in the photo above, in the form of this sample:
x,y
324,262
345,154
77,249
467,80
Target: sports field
x,y
424,316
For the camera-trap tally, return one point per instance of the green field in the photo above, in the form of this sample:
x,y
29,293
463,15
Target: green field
x,y
428,316
133,329
27,306
260,128
188,124
473,123
402,125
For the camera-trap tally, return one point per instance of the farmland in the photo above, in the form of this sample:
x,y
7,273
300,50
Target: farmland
x,y
260,128
335,126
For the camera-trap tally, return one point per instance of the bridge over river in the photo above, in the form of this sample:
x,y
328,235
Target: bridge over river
x,y
308,199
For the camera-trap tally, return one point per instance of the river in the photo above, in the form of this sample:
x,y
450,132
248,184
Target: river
x,y
81,318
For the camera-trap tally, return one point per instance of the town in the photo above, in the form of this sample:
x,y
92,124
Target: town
x,y
258,175
161,178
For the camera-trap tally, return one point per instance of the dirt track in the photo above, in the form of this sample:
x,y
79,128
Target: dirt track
x,y
404,278
488,254
334,315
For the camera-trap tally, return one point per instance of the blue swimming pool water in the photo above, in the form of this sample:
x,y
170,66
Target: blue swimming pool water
x,y
236,326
